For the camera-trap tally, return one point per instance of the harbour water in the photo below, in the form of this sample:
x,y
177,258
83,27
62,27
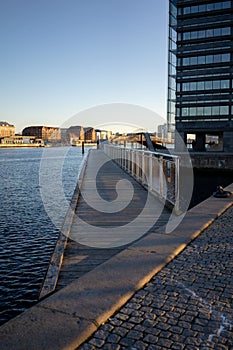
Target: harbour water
x,y
36,186
27,233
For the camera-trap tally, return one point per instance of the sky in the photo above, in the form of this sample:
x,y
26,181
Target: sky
x,y
61,57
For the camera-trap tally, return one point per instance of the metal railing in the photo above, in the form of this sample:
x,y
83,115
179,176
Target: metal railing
x,y
158,172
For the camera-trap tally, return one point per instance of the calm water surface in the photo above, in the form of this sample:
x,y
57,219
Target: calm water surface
x,y
27,233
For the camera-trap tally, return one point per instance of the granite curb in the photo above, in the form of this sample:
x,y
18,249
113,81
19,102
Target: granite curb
x,y
51,277
67,318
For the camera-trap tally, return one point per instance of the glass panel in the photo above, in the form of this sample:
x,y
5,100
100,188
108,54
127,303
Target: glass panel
x,y
184,112
209,59
224,110
193,111
208,85
225,84
193,86
193,60
186,10
201,34
202,8
226,5
210,7
194,35
200,85
217,31
209,33
217,58
218,6
216,84
187,36
225,57
201,60
215,110
194,9
185,86
226,31
207,110
200,111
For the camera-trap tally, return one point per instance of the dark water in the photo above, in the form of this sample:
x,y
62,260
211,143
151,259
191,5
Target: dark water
x,y
206,182
28,232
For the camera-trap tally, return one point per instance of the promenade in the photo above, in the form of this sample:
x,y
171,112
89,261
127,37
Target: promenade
x,y
187,305
97,234
160,291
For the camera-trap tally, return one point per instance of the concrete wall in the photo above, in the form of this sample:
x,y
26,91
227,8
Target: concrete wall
x,y
212,160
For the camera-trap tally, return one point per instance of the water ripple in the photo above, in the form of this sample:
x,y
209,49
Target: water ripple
x,y
27,235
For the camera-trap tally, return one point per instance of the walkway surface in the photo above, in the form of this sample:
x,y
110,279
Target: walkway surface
x,y
106,230
187,305
163,291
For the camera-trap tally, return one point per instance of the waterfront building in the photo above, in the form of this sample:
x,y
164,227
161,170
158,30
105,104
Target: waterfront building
x,y
200,73
90,134
19,140
104,134
75,134
46,133
6,129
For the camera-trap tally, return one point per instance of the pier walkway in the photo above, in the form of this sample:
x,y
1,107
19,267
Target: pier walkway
x,y
127,212
160,291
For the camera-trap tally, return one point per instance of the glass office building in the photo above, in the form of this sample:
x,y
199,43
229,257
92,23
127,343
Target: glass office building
x,y
200,73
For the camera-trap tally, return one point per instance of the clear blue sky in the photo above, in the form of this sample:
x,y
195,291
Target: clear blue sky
x,y
59,57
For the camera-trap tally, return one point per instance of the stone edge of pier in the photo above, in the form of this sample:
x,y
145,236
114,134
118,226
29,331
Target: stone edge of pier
x,y
51,276
67,318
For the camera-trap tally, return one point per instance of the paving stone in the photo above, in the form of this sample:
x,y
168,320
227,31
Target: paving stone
x,y
127,342
135,335
184,304
113,338
97,342
120,331
111,346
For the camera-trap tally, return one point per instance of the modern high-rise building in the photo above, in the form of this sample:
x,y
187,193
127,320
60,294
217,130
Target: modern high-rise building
x,y
200,72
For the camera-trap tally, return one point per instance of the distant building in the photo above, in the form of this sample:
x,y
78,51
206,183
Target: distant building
x,y
90,134
166,133
103,134
75,133
6,129
18,140
46,133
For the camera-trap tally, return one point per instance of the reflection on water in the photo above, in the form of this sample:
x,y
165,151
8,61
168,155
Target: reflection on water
x,y
27,235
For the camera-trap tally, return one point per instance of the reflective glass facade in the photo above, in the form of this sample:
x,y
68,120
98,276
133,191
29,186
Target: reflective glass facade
x,y
200,69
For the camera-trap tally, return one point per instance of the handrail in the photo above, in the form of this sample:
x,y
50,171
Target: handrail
x,y
158,172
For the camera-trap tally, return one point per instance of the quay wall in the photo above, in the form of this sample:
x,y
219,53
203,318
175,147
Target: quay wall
x,y
207,160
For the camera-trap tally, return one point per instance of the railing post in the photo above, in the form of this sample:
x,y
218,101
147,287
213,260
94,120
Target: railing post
x,y
150,184
143,168
161,176
177,184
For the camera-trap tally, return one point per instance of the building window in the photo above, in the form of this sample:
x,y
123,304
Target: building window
x,y
206,7
208,33
208,59
206,85
204,111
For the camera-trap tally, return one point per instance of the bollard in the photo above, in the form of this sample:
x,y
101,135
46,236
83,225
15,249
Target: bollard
x,y
83,147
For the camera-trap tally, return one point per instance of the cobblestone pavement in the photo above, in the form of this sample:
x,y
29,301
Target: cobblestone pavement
x,y
188,305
